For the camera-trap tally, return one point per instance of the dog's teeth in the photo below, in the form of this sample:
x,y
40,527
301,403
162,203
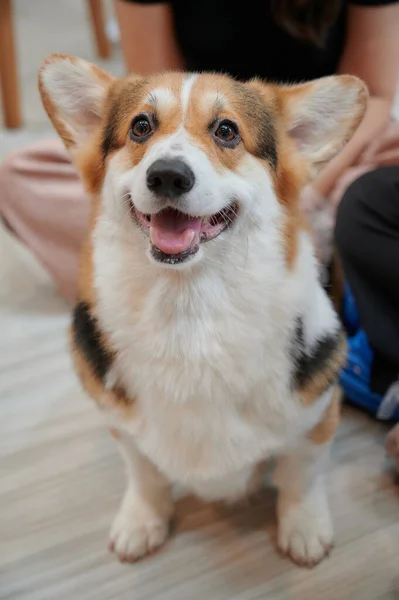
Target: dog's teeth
x,y
151,234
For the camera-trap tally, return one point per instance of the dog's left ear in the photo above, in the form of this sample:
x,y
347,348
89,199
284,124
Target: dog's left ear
x,y
73,93
322,115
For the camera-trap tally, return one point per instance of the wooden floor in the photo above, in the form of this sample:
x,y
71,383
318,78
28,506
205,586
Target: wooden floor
x,y
61,480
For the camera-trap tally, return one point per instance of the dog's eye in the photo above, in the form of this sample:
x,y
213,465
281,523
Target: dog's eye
x,y
140,128
227,133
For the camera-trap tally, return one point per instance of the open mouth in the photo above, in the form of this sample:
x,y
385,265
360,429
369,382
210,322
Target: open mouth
x,y
176,236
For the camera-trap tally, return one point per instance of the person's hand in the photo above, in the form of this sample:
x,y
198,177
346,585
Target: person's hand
x,y
384,151
345,181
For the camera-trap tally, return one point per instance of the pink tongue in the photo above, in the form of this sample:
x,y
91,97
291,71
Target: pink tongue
x,y
173,232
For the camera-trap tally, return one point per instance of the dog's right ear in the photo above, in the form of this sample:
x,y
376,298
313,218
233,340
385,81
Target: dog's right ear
x,y
73,93
322,115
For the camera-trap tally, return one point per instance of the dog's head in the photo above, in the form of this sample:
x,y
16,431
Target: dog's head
x,y
187,159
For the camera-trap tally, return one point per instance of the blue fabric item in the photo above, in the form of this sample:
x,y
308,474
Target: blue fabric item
x,y
355,376
350,315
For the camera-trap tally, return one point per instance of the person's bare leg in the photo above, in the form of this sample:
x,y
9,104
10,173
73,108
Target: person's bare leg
x,y
43,202
148,39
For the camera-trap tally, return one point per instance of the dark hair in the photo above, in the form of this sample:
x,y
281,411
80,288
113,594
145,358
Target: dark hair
x,y
308,20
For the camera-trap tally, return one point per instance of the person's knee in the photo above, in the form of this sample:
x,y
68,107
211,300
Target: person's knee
x,y
12,173
24,166
8,172
355,205
9,183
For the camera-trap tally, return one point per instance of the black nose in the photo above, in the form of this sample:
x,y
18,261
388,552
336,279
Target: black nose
x,y
170,178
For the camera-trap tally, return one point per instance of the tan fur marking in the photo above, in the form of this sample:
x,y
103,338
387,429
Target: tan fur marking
x,y
200,115
324,431
292,171
130,98
323,379
90,164
114,399
86,290
169,122
288,182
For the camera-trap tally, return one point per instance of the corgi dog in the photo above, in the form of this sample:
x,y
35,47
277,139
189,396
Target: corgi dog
x,y
202,330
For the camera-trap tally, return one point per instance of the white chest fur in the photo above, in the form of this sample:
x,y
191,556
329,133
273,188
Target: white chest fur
x,y
207,358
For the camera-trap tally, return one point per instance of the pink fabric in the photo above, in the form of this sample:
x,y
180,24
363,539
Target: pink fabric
x,y
43,202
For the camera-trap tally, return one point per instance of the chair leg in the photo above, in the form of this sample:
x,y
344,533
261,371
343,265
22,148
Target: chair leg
x,y
98,23
8,68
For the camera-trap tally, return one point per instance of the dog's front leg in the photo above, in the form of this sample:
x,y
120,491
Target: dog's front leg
x,y
305,526
142,523
305,531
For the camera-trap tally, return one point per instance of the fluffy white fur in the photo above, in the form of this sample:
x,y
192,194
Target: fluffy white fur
x,y
205,350
205,353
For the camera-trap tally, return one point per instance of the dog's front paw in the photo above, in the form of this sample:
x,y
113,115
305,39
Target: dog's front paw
x,y
138,530
306,533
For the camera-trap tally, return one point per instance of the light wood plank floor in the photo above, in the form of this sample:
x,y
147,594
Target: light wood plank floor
x,y
61,480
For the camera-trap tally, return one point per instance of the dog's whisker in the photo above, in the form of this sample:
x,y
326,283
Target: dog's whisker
x,y
126,199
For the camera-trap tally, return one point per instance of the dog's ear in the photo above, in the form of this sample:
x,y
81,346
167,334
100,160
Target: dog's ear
x,y
73,93
322,115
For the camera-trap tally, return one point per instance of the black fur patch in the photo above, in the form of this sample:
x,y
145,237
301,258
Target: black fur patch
x,y
266,141
122,102
255,112
109,141
87,337
311,361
